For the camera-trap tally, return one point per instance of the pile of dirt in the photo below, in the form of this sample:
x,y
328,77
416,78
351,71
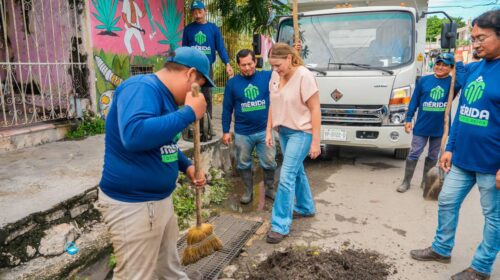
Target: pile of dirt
x,y
309,263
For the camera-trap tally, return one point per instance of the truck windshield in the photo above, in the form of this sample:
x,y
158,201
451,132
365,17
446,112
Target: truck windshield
x,y
333,41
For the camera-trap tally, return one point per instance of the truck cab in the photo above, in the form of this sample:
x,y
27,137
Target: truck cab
x,y
366,61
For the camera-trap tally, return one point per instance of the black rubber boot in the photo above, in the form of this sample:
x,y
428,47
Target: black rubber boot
x,y
409,170
428,165
247,178
269,183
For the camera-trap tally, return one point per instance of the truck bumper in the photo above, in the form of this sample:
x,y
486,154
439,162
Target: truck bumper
x,y
385,137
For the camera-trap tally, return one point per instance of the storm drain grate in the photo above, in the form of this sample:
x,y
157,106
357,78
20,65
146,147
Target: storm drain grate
x,y
234,233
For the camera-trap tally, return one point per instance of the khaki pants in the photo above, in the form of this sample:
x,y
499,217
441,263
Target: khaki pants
x,y
144,237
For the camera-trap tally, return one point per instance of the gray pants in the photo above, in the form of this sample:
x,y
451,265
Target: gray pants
x,y
207,92
418,144
144,237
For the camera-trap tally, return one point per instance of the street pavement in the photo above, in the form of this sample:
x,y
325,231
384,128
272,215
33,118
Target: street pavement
x,y
358,206
355,195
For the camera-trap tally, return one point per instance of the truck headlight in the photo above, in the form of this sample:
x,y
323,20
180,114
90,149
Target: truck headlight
x,y
398,105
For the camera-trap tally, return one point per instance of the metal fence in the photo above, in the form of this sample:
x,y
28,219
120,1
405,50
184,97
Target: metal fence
x,y
42,63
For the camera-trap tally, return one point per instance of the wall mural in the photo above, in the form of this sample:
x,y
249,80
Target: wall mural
x,y
131,37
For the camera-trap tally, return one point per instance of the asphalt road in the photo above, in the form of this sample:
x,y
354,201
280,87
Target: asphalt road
x,y
358,206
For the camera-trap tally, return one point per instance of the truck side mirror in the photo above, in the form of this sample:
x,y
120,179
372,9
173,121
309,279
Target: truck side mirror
x,y
256,44
448,35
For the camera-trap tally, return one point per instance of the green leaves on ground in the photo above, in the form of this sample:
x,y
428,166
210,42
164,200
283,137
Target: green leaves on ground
x,y
215,192
88,126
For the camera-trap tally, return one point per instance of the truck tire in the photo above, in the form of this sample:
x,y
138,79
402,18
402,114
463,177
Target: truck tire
x,y
401,153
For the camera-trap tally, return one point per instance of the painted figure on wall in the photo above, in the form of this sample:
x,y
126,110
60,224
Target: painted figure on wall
x,y
150,27
131,13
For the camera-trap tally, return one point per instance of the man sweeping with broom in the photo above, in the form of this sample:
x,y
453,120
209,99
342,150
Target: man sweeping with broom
x,y
142,161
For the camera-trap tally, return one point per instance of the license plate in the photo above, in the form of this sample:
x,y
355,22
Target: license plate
x,y
334,134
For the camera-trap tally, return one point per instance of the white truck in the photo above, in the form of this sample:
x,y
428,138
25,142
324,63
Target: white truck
x,y
366,58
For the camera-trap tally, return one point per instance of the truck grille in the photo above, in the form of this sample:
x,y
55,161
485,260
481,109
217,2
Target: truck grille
x,y
353,115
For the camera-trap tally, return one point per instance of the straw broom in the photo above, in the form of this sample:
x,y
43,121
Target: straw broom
x,y
201,239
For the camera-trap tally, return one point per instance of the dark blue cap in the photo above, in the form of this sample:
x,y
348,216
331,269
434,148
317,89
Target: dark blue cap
x,y
197,4
446,58
194,58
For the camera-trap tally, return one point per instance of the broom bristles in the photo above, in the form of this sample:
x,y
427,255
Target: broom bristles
x,y
201,242
198,234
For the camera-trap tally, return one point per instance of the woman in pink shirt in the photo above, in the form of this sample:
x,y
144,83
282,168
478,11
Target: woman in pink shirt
x,y
295,114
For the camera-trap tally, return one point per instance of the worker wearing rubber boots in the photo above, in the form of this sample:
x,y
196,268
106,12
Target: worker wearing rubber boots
x,y
430,98
247,95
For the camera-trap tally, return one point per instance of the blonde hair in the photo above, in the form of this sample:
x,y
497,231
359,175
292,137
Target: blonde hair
x,y
282,50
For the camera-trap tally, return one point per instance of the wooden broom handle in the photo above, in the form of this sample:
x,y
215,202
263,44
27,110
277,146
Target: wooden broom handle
x,y
451,95
195,89
295,15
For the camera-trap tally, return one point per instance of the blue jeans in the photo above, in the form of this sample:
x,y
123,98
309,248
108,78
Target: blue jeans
x,y
418,144
244,147
457,185
293,185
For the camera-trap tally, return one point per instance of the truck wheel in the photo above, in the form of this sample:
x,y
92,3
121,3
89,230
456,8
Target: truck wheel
x,y
401,153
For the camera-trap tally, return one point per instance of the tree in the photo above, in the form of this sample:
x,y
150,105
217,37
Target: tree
x,y
251,16
434,26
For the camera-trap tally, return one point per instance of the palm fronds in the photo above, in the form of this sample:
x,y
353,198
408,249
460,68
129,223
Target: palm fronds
x,y
106,11
172,18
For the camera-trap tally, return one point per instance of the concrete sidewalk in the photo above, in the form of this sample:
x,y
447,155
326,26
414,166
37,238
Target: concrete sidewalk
x,y
37,178
47,194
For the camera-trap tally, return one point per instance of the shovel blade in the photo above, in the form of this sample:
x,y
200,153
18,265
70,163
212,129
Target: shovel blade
x,y
433,184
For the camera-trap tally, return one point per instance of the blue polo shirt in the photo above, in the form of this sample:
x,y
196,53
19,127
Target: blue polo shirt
x,y
141,156
248,98
429,98
475,132
205,38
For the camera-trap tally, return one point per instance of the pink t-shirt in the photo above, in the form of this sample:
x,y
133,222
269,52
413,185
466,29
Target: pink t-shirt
x,y
288,104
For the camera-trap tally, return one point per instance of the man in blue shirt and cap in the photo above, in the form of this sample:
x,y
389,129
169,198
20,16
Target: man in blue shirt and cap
x,y
205,37
429,98
142,161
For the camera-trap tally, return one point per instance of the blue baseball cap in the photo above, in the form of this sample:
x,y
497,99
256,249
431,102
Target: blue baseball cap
x,y
446,58
194,58
197,4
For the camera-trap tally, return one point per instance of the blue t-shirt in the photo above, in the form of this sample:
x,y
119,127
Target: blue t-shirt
x,y
430,98
205,38
248,97
475,133
141,157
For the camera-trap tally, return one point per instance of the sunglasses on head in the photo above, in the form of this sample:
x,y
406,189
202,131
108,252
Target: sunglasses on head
x,y
445,56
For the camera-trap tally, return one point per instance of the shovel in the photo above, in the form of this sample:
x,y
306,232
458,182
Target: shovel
x,y
433,181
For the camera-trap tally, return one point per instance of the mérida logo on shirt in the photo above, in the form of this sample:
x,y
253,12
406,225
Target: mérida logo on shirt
x,y
436,94
251,92
468,112
169,153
